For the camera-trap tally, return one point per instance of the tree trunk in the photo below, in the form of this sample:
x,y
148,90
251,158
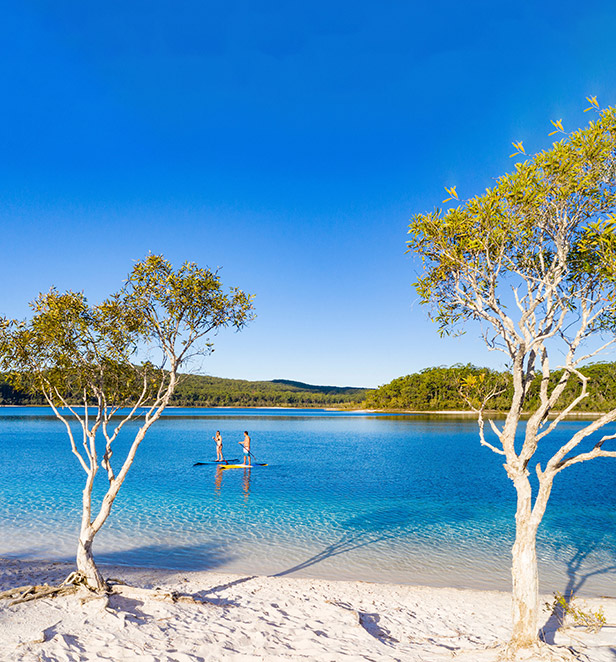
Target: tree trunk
x,y
85,560
524,574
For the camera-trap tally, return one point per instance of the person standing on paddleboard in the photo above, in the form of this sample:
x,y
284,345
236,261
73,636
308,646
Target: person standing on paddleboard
x,y
218,439
246,444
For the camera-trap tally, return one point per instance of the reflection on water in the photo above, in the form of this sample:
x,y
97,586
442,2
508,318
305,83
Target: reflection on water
x,y
246,484
218,481
219,413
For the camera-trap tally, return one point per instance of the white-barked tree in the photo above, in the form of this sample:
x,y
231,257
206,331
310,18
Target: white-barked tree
x,y
533,260
101,366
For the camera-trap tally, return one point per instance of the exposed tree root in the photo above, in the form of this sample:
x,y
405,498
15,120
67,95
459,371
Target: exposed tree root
x,y
77,582
136,593
21,594
34,592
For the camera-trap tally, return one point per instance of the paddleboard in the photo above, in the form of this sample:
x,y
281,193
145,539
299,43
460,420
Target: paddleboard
x,y
218,462
243,466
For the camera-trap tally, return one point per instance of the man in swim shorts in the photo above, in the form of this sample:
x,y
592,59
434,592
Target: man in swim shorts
x,y
246,445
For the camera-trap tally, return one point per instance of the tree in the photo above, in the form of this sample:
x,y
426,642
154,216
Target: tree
x,y
94,366
533,260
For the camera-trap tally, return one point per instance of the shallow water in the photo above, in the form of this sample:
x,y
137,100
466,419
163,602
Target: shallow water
x,y
411,499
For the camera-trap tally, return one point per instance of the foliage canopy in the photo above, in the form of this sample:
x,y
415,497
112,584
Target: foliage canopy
x,y
103,353
552,220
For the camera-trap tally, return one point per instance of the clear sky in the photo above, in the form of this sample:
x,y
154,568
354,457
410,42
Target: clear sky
x,y
288,143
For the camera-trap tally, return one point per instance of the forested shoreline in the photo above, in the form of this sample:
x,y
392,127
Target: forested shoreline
x,y
206,391
441,388
431,389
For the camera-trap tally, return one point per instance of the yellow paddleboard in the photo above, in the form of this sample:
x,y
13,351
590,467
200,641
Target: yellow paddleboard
x,y
242,466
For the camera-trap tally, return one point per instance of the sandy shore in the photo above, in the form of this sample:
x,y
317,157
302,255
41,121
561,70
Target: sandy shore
x,y
245,618
265,618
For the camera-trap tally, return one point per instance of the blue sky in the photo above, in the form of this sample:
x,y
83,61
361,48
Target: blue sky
x,y
288,143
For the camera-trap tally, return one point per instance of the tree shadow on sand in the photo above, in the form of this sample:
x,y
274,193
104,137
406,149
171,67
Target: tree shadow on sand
x,y
362,531
579,571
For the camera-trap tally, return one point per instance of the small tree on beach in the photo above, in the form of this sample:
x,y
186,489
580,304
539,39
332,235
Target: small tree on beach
x,y
85,360
534,261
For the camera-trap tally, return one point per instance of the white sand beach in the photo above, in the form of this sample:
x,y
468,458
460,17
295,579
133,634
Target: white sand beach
x,y
243,617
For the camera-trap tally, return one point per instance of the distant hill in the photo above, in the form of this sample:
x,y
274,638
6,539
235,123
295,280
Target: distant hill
x,y
341,390
205,391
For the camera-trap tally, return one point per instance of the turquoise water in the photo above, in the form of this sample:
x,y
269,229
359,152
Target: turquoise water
x,y
412,499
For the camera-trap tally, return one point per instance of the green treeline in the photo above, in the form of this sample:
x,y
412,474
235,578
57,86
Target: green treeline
x,y
428,390
439,389
203,391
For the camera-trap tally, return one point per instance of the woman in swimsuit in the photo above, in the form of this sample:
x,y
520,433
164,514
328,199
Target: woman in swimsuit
x,y
218,439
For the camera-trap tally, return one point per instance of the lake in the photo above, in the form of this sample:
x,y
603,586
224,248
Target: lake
x,y
407,499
